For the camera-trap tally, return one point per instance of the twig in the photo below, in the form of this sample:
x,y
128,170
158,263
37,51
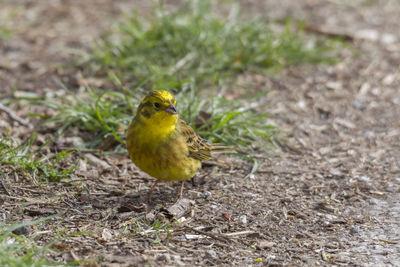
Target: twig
x,y
97,162
323,255
74,256
213,163
392,242
328,32
5,188
391,222
14,116
222,239
239,233
81,150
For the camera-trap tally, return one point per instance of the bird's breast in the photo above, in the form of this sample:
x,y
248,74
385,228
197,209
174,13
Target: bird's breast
x,y
163,159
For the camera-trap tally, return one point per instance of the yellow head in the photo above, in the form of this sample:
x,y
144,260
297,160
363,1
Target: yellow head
x,y
158,109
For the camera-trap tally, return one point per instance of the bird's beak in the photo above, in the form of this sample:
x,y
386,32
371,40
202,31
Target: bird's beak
x,y
171,109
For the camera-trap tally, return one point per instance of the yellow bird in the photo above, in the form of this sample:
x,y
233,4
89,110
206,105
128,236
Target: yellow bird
x,y
163,145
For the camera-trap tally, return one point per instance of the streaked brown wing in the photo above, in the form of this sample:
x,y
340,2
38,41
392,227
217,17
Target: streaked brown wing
x,y
198,147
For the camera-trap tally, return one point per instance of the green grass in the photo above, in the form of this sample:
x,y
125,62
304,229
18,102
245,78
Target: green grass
x,y
4,33
6,21
171,47
19,250
157,230
106,114
24,157
194,53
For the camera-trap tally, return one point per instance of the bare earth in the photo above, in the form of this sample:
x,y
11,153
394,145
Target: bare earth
x,y
331,196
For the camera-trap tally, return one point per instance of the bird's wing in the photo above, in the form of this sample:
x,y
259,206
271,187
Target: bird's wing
x,y
198,147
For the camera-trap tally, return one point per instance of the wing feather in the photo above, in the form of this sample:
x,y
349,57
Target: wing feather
x,y
199,148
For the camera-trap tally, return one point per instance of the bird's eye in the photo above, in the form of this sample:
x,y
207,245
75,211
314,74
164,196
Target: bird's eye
x,y
157,105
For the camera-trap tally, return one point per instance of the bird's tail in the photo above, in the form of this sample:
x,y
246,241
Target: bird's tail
x,y
221,148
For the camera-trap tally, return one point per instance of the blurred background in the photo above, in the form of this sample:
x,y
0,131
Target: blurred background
x,y
306,91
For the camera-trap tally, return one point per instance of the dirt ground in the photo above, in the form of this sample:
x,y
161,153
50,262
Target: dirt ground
x,y
330,196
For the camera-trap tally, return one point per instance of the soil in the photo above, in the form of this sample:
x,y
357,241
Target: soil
x,y
329,196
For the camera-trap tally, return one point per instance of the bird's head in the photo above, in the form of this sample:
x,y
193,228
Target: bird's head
x,y
158,108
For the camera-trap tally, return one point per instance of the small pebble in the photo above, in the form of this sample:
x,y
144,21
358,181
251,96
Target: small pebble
x,y
176,257
207,195
243,219
367,34
369,134
357,104
164,257
373,201
392,188
150,217
266,244
23,230
181,220
211,253
106,234
364,178
388,38
247,261
335,172
354,230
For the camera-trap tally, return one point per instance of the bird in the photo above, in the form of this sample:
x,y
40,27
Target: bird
x,y
163,145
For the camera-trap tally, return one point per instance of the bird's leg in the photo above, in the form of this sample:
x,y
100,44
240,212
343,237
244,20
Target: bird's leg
x,y
181,190
152,188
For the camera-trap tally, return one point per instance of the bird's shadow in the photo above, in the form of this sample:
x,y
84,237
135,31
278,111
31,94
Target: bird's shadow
x,y
164,196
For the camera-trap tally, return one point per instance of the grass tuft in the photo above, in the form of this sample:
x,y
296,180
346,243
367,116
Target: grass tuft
x,y
174,46
105,114
24,158
233,122
191,51
18,250
7,20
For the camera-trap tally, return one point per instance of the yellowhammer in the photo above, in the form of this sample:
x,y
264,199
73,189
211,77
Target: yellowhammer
x,y
163,145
